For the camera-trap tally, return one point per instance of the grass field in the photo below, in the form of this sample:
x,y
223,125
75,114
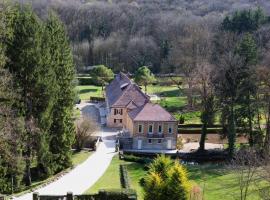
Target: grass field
x,y
216,181
85,91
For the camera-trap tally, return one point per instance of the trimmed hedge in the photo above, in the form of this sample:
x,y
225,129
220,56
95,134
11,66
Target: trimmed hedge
x,y
126,194
132,158
85,81
97,99
124,179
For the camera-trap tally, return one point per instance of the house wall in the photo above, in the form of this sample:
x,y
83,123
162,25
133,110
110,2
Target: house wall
x,y
113,120
154,140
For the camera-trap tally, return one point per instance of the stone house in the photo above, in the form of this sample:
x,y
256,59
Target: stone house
x,y
145,125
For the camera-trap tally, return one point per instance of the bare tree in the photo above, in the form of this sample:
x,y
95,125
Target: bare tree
x,y
245,166
85,128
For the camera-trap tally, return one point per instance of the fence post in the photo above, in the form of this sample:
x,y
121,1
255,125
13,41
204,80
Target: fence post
x,y
35,196
69,196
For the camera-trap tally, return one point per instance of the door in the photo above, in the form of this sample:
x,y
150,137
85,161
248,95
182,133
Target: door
x,y
139,144
169,144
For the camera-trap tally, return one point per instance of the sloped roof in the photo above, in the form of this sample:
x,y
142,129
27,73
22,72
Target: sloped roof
x,y
121,91
150,112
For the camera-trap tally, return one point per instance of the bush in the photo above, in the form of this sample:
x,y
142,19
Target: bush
x,y
117,194
85,81
166,180
133,158
124,177
96,99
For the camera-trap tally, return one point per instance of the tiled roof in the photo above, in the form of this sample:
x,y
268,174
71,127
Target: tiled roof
x,y
150,112
121,91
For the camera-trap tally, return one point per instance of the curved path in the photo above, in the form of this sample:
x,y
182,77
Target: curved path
x,y
82,177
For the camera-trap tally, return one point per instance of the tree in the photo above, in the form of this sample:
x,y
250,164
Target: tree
x,y
166,180
101,75
144,76
62,130
247,50
206,89
244,21
227,80
85,128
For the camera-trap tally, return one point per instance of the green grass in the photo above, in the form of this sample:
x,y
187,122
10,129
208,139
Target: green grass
x,y
80,157
85,91
110,179
216,180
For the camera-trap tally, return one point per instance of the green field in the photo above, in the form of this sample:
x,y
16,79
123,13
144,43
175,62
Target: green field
x,y
215,180
86,91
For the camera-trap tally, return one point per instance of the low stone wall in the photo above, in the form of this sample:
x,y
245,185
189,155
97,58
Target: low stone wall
x,y
211,138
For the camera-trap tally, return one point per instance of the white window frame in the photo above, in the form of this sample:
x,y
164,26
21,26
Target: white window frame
x,y
139,128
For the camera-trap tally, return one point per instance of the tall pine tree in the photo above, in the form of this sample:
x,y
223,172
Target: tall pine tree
x,y
62,129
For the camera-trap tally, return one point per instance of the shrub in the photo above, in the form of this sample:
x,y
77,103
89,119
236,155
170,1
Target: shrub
x,y
117,194
124,177
137,159
166,180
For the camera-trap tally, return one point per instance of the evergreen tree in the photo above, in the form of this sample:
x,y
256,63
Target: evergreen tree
x,y
11,160
62,129
247,50
166,180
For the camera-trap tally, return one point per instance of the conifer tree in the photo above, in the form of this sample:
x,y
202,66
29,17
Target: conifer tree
x,y
62,129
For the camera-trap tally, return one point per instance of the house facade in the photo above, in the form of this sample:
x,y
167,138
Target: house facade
x,y
146,125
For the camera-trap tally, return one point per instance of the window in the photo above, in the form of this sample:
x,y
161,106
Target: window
x,y
121,111
150,128
120,121
159,141
140,128
170,128
149,141
115,111
114,120
159,128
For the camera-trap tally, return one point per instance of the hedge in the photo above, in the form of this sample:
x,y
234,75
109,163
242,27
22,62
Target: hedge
x,y
117,194
97,99
137,159
124,179
85,81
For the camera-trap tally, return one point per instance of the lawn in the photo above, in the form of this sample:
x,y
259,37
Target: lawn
x,y
79,157
85,91
216,180
110,179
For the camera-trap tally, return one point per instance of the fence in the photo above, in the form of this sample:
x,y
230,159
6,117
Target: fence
x,y
102,195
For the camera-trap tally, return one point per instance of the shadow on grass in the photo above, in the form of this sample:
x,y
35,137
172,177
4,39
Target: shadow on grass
x,y
84,91
196,172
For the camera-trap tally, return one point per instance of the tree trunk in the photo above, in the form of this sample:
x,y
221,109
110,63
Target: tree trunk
x,y
28,167
267,135
251,137
203,137
231,131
